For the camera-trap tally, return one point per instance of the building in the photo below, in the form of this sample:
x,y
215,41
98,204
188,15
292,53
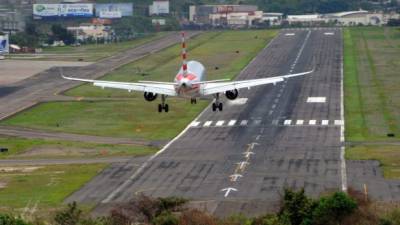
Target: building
x,y
274,19
307,20
159,7
87,31
13,14
361,17
225,15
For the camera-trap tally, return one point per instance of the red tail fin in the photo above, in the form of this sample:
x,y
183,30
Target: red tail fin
x,y
184,62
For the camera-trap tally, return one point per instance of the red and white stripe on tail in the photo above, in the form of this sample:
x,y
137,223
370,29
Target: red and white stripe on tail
x,y
184,56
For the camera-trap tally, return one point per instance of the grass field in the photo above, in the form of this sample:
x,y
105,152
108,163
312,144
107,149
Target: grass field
x,y
372,97
90,52
229,51
37,148
45,186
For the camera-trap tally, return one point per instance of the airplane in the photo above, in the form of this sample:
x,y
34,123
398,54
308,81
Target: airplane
x,y
189,83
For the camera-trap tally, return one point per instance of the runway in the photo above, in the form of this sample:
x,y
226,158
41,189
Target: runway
x,y
273,137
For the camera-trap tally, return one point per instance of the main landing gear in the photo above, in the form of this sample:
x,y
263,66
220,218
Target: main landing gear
x,y
216,104
163,106
193,101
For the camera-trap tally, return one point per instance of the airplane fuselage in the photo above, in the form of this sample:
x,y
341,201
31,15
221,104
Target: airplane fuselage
x,y
188,85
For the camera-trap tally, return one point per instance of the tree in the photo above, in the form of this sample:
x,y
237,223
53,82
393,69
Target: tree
x,y
6,219
297,207
333,209
69,216
62,34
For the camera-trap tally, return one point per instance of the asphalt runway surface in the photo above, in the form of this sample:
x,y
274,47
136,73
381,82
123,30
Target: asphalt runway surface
x,y
26,93
239,160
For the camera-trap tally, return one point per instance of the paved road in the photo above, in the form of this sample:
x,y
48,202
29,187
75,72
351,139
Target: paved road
x,y
30,91
271,138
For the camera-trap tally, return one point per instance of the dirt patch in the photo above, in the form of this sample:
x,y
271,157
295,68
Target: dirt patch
x,y
27,169
3,184
58,151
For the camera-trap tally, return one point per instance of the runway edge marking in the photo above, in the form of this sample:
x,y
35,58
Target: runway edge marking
x,y
141,168
342,147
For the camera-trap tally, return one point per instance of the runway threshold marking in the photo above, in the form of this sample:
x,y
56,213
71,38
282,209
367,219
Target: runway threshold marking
x,y
316,99
258,122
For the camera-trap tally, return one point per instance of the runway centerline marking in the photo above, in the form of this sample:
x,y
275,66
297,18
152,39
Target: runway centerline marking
x,y
316,99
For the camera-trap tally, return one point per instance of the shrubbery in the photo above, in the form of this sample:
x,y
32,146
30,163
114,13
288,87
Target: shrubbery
x,y
296,209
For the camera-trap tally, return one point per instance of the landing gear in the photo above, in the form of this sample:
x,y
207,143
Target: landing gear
x,y
193,101
163,106
216,104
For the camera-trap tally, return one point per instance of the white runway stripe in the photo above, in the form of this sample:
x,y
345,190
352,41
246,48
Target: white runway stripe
x,y
339,122
207,124
220,123
299,122
243,123
195,123
325,122
312,122
232,123
287,122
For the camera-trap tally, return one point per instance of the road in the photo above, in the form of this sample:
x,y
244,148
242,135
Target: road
x,y
239,160
28,92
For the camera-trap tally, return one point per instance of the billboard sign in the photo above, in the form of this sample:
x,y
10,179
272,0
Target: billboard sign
x,y
113,10
62,10
110,14
4,44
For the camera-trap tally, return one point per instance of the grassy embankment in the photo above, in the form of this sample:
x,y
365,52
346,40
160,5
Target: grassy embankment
x,y
38,148
372,99
33,189
134,117
89,52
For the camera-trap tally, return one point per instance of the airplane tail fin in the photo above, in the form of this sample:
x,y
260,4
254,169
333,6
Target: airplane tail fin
x,y
184,56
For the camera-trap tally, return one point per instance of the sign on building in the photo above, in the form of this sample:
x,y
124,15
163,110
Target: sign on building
x,y
159,7
62,10
114,10
4,44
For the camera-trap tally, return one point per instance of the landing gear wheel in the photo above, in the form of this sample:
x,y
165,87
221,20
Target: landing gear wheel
x,y
193,101
214,107
220,106
160,108
166,108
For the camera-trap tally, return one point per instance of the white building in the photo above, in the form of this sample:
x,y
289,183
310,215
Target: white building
x,y
87,30
308,19
159,7
275,19
361,17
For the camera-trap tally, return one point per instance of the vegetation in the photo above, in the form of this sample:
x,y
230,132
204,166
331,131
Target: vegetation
x,y
42,187
133,117
296,209
371,64
35,148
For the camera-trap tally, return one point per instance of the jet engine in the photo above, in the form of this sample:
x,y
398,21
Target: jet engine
x,y
150,96
232,95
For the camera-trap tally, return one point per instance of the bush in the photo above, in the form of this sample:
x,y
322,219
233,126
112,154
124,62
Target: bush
x,y
6,219
196,217
333,209
69,216
165,218
297,208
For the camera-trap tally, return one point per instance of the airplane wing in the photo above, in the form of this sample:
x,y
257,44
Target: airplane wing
x,y
219,87
156,88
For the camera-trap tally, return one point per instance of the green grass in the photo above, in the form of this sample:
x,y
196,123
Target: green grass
x,y
230,51
387,155
372,99
19,146
371,85
93,52
47,186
